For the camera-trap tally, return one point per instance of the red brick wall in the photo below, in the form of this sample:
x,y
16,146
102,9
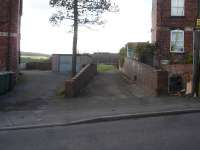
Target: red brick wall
x,y
163,41
76,84
155,82
183,70
3,46
163,23
154,20
188,41
178,69
10,17
164,17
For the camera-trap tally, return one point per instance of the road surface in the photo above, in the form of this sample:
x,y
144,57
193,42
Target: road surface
x,y
180,132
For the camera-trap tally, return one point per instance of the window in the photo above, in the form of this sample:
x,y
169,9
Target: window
x,y
177,41
177,7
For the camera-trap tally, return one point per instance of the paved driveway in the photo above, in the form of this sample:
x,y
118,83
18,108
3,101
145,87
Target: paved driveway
x,y
35,88
38,89
112,84
34,101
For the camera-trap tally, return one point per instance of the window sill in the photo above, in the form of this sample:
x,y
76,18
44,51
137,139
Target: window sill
x,y
177,17
178,52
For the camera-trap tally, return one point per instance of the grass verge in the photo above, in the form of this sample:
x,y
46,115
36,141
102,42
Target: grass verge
x,y
105,68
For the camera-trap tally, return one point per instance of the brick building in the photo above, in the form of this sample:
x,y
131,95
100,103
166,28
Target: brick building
x,y
173,26
174,23
10,18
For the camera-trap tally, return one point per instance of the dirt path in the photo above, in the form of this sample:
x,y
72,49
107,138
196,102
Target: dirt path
x,y
34,89
109,84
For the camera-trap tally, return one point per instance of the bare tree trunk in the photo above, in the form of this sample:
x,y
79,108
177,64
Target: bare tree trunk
x,y
196,67
75,38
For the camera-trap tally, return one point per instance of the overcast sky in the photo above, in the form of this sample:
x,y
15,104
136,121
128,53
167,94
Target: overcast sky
x,y
131,24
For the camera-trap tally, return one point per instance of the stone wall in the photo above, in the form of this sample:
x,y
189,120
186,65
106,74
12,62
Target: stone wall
x,y
74,86
155,82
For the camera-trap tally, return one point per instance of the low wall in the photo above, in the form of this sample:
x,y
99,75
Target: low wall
x,y
155,82
183,70
178,68
38,66
74,86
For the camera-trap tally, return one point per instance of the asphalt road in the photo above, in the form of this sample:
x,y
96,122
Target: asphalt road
x,y
160,133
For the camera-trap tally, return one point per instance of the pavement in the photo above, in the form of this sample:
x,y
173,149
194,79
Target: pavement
x,y
179,132
107,97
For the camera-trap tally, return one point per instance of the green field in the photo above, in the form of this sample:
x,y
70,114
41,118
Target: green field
x,y
33,57
105,68
27,59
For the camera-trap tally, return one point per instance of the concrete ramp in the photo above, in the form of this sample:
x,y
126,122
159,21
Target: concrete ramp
x,y
112,84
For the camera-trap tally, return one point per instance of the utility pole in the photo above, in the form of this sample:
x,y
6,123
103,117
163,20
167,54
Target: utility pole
x,y
196,64
75,38
196,56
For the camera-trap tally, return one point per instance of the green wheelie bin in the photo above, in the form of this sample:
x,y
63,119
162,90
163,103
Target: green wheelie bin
x,y
2,83
7,81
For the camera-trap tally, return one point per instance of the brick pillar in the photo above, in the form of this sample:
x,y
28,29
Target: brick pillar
x,y
10,18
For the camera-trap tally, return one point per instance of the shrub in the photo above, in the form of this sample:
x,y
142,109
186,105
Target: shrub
x,y
189,58
122,55
145,52
182,58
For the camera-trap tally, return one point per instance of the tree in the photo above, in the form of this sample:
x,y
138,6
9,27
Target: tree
x,y
122,55
145,52
80,12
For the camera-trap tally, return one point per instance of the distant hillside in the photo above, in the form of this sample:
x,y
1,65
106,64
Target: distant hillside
x,y
33,57
25,54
